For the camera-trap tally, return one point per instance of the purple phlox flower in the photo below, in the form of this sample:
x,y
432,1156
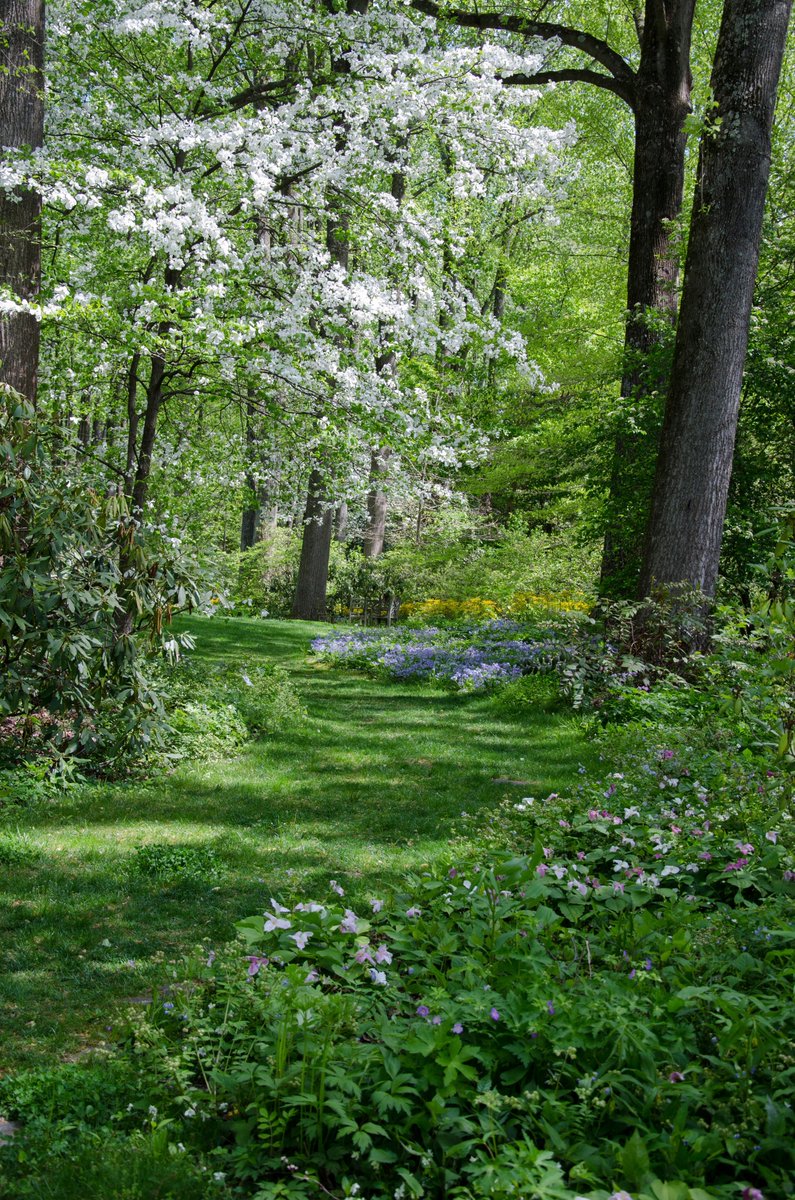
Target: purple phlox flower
x,y
423,1010
648,964
436,1020
617,887
413,912
550,1008
705,854
593,815
363,954
667,754
676,1077
383,955
676,829
788,876
752,1193
451,874
376,905
564,824
494,1014
301,938
744,847
611,791
736,866
350,922
547,851
633,973
335,887
312,977
255,961
458,1027
581,855
378,977
542,869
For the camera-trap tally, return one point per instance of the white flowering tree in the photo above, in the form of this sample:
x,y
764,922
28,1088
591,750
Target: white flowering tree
x,y
222,235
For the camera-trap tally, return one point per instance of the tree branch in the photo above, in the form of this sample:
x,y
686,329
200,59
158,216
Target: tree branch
x,y
594,47
574,75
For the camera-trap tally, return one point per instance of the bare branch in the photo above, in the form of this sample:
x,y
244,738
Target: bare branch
x,y
574,75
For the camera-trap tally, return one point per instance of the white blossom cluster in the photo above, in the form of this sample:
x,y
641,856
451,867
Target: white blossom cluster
x,y
197,153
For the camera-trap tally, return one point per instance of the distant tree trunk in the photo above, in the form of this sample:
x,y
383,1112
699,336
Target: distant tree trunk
x,y
341,522
310,593
695,459
373,544
262,515
21,125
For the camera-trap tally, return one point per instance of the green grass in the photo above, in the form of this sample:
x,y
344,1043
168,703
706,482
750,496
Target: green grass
x,y
372,787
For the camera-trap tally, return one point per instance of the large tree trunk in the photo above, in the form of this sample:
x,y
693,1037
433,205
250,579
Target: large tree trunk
x,y
662,102
697,445
21,125
310,593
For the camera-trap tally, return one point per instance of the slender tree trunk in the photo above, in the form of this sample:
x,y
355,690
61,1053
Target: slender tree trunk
x,y
662,102
373,544
697,445
21,125
310,593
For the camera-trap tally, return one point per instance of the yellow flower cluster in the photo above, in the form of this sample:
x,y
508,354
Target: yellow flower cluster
x,y
520,604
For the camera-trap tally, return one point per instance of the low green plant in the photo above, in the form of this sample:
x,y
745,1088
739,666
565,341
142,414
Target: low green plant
x,y
174,864
17,849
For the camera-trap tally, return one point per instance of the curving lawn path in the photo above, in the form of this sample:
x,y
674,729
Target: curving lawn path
x,y
372,787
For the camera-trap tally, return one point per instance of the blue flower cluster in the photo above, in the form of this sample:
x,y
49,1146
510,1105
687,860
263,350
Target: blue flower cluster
x,y
473,657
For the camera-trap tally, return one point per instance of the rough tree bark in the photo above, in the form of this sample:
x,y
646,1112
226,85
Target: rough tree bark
x,y
697,445
21,125
310,593
658,93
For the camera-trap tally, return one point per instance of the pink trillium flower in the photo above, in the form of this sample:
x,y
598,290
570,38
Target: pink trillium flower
x,y
255,961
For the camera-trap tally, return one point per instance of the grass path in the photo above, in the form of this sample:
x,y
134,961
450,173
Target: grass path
x,y
372,787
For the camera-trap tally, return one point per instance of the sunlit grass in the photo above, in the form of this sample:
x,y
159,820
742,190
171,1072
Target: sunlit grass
x,y
371,788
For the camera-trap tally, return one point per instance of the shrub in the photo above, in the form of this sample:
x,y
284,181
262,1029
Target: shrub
x,y
83,589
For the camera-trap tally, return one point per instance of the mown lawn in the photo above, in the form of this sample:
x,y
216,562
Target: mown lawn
x,y
371,787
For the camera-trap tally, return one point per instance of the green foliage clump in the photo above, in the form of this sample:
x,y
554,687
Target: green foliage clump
x,y
214,710
86,1134
17,849
82,590
173,864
